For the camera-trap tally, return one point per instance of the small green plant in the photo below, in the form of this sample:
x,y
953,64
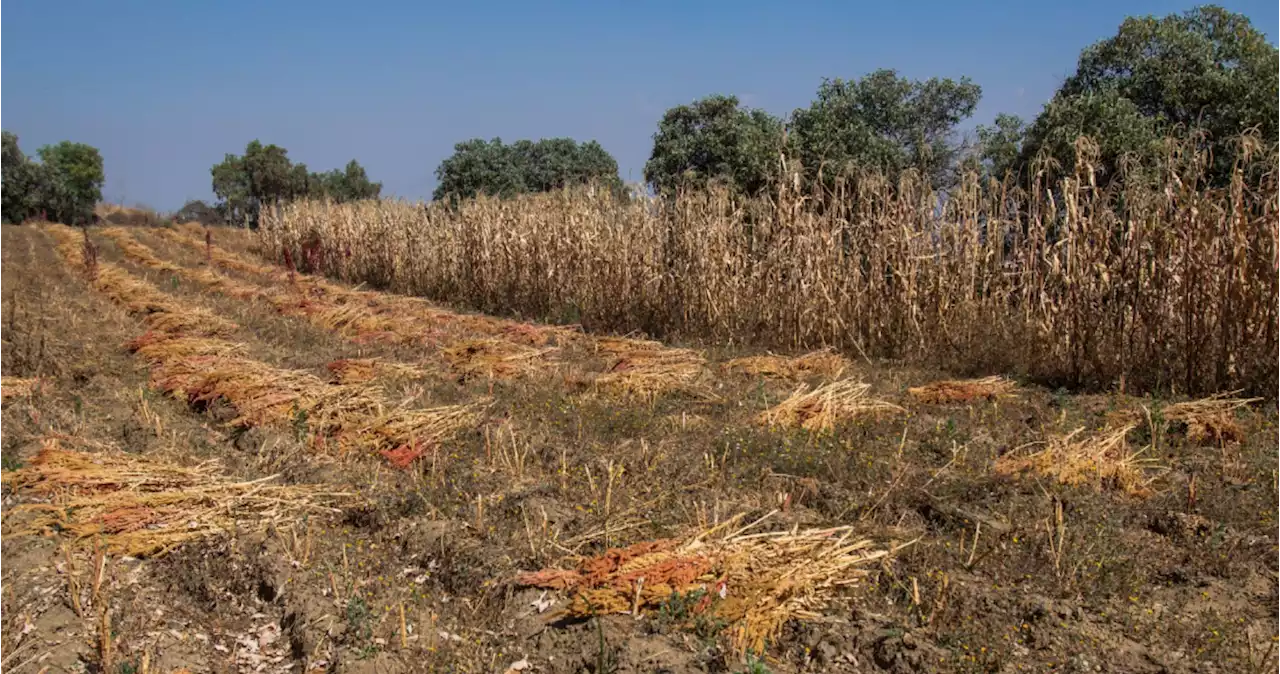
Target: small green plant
x,y
9,461
299,423
359,619
756,665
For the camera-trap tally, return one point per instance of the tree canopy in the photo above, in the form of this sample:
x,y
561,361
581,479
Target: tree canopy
x,y
1207,69
715,139
264,175
493,168
884,122
63,186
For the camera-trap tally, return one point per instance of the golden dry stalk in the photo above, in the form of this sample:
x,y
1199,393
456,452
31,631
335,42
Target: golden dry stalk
x,y
140,507
754,582
826,363
1103,459
822,408
962,390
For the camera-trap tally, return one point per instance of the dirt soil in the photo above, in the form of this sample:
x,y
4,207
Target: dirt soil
x,y
993,569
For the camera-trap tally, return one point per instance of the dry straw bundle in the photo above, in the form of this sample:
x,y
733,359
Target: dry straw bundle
x,y
822,408
138,507
643,369
1103,459
962,390
18,387
1210,420
753,582
494,358
363,370
825,363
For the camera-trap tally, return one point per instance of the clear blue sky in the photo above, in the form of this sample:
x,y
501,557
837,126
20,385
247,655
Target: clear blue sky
x,y
165,89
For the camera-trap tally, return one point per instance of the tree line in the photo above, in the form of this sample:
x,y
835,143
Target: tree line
x,y
1207,71
63,185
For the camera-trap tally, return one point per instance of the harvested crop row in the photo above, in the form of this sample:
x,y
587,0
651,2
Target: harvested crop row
x,y
139,507
354,317
754,582
192,364
315,286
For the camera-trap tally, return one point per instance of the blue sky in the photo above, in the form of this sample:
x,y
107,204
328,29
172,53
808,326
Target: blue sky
x,y
165,89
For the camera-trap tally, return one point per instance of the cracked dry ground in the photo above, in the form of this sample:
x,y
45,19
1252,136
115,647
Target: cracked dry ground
x,y
211,466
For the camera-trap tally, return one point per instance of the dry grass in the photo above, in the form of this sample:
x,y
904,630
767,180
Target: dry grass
x,y
1172,286
753,582
962,390
1103,459
824,363
139,507
822,408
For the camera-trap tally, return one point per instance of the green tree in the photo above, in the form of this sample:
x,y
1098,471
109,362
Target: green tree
x,y
1000,145
715,139
72,184
349,184
18,193
1208,69
265,177
494,168
886,123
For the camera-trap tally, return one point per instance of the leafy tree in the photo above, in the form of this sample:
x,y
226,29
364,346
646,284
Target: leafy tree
x,y
493,168
265,176
999,146
349,184
64,186
1207,68
715,139
887,123
73,181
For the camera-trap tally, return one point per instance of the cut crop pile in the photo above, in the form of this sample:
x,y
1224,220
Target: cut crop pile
x,y
1210,420
753,583
494,358
362,370
962,390
825,363
642,368
822,408
1103,459
138,507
